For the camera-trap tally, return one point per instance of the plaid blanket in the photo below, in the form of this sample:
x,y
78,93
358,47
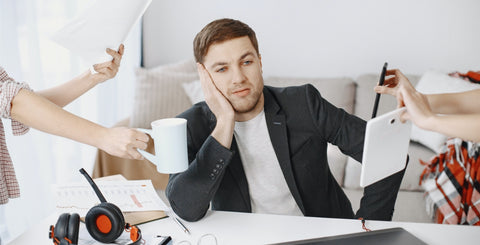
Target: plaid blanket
x,y
452,184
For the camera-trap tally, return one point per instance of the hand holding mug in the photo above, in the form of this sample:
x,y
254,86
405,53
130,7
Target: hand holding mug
x,y
170,139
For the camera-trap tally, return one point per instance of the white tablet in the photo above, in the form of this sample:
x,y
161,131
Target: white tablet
x,y
385,148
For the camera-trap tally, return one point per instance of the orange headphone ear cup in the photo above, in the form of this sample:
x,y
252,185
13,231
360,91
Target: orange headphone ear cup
x,y
135,235
73,227
105,222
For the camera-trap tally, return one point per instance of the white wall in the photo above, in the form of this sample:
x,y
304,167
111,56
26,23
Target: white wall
x,y
329,37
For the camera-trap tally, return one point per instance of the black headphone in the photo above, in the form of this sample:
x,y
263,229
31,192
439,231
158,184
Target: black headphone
x,y
104,222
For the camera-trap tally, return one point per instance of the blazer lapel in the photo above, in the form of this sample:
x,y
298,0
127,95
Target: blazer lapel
x,y
277,128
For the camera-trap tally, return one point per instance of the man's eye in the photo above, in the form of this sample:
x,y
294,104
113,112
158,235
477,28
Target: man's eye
x,y
248,62
221,69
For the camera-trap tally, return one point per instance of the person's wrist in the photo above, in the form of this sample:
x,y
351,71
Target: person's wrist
x,y
223,131
91,79
226,121
100,137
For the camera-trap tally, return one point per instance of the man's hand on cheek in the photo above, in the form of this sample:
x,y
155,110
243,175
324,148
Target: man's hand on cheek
x,y
216,101
220,106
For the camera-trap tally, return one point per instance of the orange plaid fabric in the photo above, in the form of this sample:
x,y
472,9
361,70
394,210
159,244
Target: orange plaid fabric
x,y
452,184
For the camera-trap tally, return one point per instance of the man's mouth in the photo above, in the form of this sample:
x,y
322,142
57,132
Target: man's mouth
x,y
242,92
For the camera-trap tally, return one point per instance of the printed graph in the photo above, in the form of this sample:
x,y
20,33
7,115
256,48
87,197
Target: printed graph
x,y
129,196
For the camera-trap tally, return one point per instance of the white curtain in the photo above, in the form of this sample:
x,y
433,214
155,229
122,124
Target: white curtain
x,y
27,54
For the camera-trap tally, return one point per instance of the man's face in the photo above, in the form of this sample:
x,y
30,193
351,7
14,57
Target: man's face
x,y
236,69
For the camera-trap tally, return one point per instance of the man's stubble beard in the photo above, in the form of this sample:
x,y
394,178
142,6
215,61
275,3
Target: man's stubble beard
x,y
250,108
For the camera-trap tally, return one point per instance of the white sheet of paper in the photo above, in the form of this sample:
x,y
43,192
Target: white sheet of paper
x,y
106,24
129,196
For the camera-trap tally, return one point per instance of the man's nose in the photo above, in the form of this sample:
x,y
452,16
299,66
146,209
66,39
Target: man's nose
x,y
238,75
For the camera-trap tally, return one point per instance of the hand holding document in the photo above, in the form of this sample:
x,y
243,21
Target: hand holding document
x,y
106,24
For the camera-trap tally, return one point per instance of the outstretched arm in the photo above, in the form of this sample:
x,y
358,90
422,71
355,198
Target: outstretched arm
x,y
460,111
456,124
65,93
37,112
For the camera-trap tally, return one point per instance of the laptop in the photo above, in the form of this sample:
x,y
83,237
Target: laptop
x,y
392,236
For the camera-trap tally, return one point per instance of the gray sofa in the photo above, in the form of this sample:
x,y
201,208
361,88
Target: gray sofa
x,y
167,90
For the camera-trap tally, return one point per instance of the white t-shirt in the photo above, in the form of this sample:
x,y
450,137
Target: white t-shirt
x,y
268,189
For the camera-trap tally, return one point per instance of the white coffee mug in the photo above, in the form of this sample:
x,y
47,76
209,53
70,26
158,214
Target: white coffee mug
x,y
170,139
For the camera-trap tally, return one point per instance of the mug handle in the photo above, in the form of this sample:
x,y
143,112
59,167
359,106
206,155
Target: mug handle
x,y
147,155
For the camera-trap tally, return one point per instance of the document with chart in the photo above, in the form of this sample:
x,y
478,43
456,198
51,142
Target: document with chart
x,y
128,195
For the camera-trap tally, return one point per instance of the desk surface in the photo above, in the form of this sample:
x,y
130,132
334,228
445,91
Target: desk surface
x,y
246,228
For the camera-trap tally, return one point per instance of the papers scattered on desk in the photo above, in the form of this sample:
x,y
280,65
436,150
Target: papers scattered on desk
x,y
106,24
129,196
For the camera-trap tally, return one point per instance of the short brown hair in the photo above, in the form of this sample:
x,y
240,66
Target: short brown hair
x,y
219,31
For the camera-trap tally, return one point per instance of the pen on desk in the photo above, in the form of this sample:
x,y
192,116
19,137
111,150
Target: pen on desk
x,y
165,240
181,225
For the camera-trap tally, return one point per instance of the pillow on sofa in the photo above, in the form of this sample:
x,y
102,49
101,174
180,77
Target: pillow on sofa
x,y
194,91
159,93
434,82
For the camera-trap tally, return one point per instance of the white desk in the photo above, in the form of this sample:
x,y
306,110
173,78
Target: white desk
x,y
244,228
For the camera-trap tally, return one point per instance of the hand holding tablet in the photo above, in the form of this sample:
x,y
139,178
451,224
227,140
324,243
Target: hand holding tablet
x,y
386,143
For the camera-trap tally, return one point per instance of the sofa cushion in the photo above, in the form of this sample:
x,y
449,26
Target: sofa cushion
x,y
159,92
194,91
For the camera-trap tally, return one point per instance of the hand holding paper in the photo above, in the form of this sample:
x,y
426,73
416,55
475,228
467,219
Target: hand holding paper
x,y
108,69
106,24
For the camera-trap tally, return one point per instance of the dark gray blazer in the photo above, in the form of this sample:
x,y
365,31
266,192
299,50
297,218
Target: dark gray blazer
x,y
300,123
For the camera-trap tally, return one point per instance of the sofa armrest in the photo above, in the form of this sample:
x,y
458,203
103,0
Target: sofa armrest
x,y
106,164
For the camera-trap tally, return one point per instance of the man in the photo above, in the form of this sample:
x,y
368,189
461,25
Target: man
x,y
255,148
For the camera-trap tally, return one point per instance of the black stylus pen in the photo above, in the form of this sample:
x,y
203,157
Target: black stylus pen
x,y
165,240
377,97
